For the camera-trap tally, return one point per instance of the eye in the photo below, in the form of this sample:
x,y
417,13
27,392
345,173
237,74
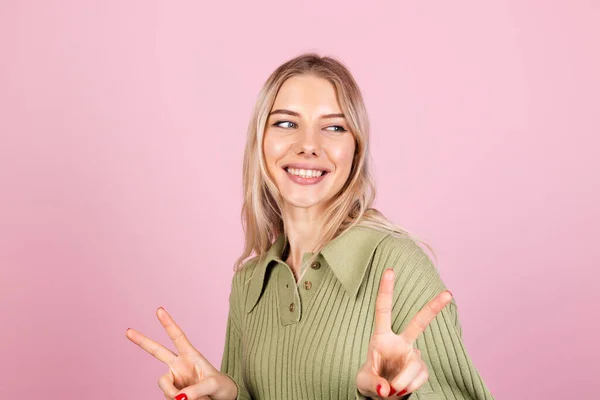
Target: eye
x,y
339,128
285,124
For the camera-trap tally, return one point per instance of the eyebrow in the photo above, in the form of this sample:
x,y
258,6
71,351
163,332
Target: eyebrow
x,y
295,114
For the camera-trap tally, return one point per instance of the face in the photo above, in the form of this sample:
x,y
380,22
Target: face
x,y
308,145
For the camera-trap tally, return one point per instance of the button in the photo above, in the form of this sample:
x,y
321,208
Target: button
x,y
315,265
292,307
307,285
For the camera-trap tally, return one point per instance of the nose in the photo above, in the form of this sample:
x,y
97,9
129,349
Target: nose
x,y
308,142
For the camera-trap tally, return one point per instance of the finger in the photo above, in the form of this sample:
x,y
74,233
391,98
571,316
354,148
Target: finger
x,y
216,386
423,318
418,381
156,349
177,336
166,383
370,384
383,304
409,372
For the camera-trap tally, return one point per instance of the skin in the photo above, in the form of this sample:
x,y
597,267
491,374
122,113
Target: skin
x,y
392,363
313,137
190,373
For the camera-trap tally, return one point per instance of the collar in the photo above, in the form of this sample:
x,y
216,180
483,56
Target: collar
x,y
348,255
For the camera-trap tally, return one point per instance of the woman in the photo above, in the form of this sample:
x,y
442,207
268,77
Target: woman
x,y
337,302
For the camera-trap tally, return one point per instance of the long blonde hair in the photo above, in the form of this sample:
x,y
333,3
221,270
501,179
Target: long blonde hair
x,y
261,211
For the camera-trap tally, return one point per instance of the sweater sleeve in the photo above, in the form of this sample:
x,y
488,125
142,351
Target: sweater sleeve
x,y
231,363
452,374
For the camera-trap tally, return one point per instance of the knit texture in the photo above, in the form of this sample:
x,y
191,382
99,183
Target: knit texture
x,y
307,340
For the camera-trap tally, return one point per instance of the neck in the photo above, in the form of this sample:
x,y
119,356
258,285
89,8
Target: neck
x,y
302,226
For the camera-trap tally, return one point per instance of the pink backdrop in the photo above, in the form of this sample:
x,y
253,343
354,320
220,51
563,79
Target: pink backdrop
x,y
122,129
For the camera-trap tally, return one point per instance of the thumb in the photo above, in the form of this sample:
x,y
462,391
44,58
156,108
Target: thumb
x,y
382,386
370,384
218,387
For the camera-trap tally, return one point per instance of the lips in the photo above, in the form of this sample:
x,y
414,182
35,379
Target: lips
x,y
305,166
305,177
305,180
305,173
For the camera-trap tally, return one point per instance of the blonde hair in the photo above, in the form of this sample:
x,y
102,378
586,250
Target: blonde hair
x,y
261,211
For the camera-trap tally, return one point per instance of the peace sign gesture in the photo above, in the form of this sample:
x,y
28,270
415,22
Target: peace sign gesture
x,y
189,370
393,365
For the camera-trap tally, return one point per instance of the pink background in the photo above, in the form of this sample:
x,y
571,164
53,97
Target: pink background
x,y
122,129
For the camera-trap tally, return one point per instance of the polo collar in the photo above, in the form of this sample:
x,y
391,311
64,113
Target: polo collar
x,y
348,256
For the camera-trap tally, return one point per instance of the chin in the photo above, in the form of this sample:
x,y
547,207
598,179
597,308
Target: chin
x,y
303,202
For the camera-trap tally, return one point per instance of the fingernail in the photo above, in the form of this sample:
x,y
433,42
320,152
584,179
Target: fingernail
x,y
450,293
379,390
390,273
392,391
181,396
402,392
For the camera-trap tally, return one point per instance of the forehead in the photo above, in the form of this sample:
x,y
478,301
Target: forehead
x,y
307,93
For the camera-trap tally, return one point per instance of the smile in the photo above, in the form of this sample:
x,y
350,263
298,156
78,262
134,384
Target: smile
x,y
305,173
305,176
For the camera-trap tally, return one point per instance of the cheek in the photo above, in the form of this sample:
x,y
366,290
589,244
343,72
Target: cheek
x,y
273,150
343,156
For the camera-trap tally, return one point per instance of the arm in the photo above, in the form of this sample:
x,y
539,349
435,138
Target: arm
x,y
452,374
231,364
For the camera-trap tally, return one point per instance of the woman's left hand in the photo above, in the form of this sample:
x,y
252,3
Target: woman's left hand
x,y
393,365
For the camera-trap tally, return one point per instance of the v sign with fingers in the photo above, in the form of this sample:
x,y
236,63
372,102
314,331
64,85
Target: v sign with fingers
x,y
190,375
393,365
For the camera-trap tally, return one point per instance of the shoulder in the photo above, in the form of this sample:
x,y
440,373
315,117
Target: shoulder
x,y
239,287
417,279
402,252
242,276
413,268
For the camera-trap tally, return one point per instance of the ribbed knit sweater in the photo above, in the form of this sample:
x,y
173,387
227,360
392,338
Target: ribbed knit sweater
x,y
308,339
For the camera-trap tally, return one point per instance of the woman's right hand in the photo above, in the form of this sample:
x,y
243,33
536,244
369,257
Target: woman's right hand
x,y
190,375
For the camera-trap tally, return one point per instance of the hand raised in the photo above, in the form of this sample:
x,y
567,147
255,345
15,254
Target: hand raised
x,y
191,376
393,365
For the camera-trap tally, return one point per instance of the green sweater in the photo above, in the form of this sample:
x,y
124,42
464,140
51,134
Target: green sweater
x,y
307,340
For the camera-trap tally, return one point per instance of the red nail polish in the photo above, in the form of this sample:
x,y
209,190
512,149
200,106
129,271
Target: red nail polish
x,y
181,396
392,391
379,390
402,392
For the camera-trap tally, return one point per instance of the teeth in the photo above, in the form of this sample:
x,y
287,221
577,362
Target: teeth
x,y
305,173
